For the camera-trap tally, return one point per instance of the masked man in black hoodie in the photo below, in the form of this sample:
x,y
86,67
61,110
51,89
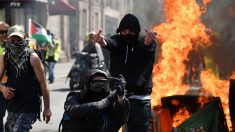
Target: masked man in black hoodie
x,y
95,108
133,56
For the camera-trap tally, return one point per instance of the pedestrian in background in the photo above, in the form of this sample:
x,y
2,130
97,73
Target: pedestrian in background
x,y
3,37
96,108
32,44
52,57
26,80
92,47
133,56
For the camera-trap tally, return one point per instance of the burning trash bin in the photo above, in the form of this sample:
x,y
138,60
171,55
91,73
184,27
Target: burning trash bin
x,y
188,114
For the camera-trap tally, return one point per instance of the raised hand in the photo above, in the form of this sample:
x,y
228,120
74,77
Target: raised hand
x,y
98,38
149,37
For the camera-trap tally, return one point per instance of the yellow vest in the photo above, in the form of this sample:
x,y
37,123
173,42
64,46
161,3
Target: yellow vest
x,y
4,78
1,50
54,51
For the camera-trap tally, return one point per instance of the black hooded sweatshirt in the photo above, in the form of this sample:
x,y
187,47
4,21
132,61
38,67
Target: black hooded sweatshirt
x,y
133,60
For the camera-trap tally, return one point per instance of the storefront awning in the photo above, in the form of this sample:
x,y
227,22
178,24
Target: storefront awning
x,y
18,3
15,0
22,0
59,7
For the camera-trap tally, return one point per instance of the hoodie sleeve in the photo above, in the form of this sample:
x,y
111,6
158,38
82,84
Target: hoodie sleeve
x,y
112,42
149,49
75,109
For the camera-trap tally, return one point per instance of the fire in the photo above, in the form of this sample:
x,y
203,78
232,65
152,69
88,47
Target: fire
x,y
233,75
180,116
182,31
219,88
180,34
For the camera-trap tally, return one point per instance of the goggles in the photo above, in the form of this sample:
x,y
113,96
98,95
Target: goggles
x,y
99,85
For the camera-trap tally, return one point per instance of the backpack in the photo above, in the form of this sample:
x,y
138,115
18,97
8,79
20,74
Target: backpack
x,y
64,122
67,123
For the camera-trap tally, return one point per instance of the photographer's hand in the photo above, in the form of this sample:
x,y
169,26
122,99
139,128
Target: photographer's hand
x,y
119,85
107,101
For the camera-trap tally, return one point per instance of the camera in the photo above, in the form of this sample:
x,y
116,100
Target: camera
x,y
114,83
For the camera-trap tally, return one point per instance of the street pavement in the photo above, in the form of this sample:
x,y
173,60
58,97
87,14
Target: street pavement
x,y
58,92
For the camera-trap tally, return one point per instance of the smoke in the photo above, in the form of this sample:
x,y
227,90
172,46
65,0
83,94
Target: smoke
x,y
220,19
149,12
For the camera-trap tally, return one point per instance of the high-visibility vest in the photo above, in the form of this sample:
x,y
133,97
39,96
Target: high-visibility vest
x,y
32,44
1,50
4,78
54,51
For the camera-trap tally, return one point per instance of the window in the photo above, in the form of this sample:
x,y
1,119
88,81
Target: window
x,y
108,3
2,14
116,4
111,24
83,24
96,21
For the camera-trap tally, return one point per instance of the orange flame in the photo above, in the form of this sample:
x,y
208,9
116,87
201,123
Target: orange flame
x,y
233,75
182,27
180,116
181,32
218,88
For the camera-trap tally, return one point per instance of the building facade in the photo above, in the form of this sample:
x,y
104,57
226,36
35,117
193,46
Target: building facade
x,y
19,11
92,15
71,28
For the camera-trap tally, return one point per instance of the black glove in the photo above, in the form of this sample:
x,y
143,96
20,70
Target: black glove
x,y
119,85
107,101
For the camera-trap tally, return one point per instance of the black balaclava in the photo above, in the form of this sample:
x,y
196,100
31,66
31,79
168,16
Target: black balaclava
x,y
17,54
130,22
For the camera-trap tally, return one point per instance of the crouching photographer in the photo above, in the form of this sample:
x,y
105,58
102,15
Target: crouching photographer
x,y
100,106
